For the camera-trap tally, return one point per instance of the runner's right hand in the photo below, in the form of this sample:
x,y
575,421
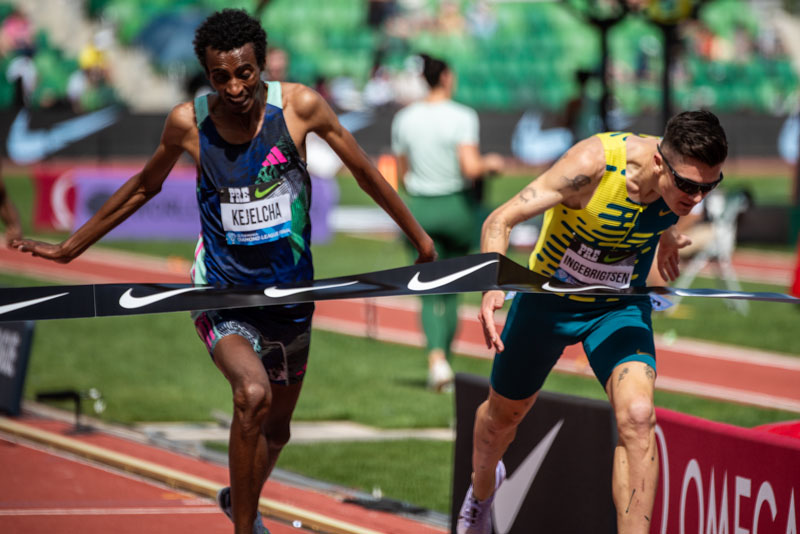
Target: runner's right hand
x,y
41,249
492,300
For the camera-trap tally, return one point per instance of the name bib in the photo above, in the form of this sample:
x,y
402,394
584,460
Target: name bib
x,y
583,264
255,214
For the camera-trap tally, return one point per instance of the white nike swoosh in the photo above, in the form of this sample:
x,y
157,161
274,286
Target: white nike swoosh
x,y
130,302
578,289
25,145
276,293
512,493
416,285
25,303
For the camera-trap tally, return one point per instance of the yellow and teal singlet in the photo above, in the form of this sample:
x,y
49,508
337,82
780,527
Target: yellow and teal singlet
x,y
612,241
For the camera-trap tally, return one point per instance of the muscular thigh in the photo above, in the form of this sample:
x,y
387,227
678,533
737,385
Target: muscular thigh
x,y
622,334
278,335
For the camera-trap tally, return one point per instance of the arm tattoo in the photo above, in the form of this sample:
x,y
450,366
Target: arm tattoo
x,y
576,183
527,194
495,230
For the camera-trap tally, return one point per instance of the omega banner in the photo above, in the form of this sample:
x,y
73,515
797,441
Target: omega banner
x,y
724,479
715,478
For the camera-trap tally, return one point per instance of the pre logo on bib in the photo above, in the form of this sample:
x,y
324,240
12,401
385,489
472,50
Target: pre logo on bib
x,y
256,214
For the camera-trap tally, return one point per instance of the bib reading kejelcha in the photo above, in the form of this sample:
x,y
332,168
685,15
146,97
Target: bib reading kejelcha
x,y
255,214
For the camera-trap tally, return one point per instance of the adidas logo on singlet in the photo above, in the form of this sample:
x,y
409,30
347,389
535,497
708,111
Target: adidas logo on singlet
x,y
274,157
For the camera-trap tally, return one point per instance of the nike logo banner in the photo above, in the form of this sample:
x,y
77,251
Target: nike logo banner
x,y
475,273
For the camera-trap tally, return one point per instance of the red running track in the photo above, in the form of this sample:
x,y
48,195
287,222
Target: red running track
x,y
45,490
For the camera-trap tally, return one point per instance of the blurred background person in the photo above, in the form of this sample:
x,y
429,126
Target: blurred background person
x,y
436,141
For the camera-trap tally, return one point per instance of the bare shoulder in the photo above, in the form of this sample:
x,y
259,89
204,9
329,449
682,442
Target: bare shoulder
x,y
181,118
640,149
301,99
587,156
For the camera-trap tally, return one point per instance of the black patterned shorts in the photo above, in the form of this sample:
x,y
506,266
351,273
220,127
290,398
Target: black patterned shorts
x,y
280,335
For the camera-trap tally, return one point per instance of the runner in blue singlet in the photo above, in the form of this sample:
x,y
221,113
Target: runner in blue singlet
x,y
248,141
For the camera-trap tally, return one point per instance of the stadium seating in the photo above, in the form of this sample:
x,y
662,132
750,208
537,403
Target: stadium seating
x,y
529,62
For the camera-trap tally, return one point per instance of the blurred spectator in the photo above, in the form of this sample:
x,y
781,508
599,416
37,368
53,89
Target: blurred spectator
x,y
16,34
450,21
21,72
89,88
581,113
481,20
277,65
8,214
378,90
409,85
436,142
379,11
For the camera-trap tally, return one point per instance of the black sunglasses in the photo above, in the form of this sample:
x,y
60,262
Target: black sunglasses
x,y
690,187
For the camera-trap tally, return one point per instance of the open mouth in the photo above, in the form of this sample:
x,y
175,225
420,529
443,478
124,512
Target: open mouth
x,y
239,102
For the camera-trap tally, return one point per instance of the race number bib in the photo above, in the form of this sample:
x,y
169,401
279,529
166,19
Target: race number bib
x,y
255,214
583,264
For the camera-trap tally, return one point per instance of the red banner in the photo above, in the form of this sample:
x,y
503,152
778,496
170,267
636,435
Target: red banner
x,y
54,198
721,479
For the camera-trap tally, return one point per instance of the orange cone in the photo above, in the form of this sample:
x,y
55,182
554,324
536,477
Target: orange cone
x,y
387,166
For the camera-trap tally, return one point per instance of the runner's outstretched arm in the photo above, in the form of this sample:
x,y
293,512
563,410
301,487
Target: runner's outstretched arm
x,y
320,118
571,180
127,199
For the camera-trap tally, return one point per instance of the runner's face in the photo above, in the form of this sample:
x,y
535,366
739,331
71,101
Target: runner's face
x,y
678,201
235,76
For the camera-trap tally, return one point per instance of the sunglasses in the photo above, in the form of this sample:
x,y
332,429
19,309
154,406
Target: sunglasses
x,y
690,187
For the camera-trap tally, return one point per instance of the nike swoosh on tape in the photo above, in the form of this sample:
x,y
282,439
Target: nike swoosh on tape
x,y
416,285
262,194
129,302
25,303
276,293
512,493
579,289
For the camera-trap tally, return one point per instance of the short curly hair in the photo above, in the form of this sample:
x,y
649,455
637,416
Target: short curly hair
x,y
229,29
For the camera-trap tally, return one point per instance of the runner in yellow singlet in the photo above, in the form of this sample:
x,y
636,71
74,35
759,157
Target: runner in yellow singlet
x,y
608,203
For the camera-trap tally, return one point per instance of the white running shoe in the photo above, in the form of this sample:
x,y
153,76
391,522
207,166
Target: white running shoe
x,y
440,376
475,516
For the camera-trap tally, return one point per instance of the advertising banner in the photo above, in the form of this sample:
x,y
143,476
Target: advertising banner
x,y
559,465
718,478
15,347
171,214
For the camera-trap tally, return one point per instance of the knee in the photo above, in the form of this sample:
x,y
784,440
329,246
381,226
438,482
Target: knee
x,y
500,421
636,421
251,401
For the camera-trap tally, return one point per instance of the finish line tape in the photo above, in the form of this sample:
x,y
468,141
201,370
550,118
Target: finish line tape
x,y
477,272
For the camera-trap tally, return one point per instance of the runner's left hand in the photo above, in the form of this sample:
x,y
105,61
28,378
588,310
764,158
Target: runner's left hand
x,y
667,257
